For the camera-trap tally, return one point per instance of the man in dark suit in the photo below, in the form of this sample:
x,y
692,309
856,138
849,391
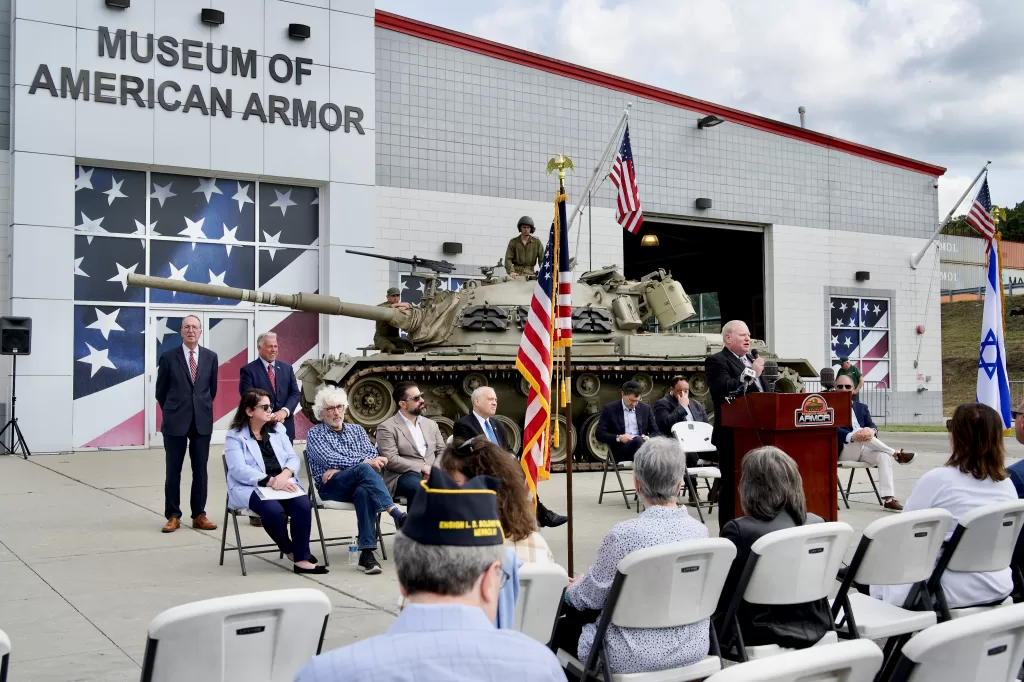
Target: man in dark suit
x,y
481,422
186,384
677,407
725,375
274,377
626,424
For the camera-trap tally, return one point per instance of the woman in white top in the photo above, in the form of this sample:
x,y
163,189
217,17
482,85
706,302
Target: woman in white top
x,y
973,477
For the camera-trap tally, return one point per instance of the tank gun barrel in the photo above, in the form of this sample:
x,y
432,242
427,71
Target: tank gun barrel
x,y
314,303
439,266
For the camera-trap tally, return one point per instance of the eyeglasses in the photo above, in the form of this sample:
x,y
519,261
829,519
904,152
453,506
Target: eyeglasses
x,y
414,399
265,407
844,387
334,408
505,577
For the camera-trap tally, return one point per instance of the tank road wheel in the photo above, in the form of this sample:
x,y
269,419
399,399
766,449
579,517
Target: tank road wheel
x,y
523,386
646,382
558,454
514,432
789,381
446,426
699,385
473,381
597,449
370,401
588,384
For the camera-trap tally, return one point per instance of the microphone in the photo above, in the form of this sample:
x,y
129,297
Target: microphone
x,y
746,379
753,353
828,379
769,375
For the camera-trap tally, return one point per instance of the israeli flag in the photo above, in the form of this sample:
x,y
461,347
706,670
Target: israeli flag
x,y
993,384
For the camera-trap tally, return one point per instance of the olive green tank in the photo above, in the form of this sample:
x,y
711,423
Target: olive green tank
x,y
469,338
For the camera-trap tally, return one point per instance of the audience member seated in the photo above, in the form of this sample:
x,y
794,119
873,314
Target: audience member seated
x,y
658,468
479,457
974,476
859,442
1016,470
626,424
449,569
258,453
772,496
345,467
678,407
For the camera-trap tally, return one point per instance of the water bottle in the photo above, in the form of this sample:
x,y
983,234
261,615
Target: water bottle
x,y
353,555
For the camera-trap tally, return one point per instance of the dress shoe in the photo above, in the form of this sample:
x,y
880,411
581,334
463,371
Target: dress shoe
x,y
202,523
903,457
172,525
256,521
316,570
549,519
892,503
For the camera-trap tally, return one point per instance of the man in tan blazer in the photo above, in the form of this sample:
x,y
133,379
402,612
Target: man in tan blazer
x,y
411,442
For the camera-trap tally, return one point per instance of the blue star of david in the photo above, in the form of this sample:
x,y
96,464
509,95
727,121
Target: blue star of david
x,y
990,344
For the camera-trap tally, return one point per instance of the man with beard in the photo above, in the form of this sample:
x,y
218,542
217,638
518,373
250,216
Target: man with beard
x,y
410,441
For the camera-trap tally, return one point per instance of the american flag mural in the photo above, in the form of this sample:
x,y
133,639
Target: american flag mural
x,y
194,229
860,331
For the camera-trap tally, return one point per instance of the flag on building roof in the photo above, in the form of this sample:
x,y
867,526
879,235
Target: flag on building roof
x,y
980,215
993,383
627,212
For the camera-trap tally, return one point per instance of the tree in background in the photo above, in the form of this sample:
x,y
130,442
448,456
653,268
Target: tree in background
x,y
1009,221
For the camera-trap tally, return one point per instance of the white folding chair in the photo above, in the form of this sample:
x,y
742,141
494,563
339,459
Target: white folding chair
x,y
661,587
790,566
695,437
895,550
540,591
982,542
5,655
256,637
857,661
985,647
611,465
853,465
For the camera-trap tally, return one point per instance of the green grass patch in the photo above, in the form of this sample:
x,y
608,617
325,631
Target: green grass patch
x,y
913,428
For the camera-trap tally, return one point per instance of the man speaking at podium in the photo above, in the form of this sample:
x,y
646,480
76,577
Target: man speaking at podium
x,y
734,371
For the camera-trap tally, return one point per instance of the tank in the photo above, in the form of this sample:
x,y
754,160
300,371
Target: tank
x,y
469,338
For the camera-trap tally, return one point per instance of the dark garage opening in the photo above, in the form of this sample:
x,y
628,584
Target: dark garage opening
x,y
722,270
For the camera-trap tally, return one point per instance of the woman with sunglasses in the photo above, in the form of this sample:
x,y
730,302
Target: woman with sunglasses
x,y
258,453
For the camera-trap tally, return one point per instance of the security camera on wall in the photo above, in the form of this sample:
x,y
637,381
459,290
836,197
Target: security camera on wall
x,y
935,185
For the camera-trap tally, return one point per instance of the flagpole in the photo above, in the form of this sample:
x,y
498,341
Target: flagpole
x,y
566,390
915,260
616,136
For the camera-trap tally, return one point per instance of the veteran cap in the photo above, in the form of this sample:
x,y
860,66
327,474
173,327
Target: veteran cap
x,y
394,291
444,513
844,359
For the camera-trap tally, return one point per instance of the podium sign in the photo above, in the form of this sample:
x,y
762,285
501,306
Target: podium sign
x,y
804,426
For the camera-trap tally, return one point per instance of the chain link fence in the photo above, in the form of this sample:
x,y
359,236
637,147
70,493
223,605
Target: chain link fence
x,y
875,394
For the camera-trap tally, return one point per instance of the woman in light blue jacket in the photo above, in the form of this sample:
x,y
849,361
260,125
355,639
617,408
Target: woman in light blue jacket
x,y
259,453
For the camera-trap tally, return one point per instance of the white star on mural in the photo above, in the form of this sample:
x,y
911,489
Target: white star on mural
x,y
194,230
122,275
275,239
207,187
835,340
283,201
160,330
866,307
140,228
78,267
832,305
90,225
839,322
176,273
162,192
877,310
229,237
242,196
84,179
115,191
106,322
217,279
843,306
847,342
97,360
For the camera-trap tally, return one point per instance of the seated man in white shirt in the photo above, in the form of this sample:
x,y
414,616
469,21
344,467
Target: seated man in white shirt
x,y
860,443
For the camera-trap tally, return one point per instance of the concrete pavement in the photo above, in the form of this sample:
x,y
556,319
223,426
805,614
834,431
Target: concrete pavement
x,y
84,566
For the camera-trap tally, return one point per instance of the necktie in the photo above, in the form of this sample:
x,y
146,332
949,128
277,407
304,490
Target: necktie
x,y
270,375
192,364
490,432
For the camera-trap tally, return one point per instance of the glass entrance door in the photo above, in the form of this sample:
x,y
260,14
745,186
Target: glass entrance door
x,y
228,334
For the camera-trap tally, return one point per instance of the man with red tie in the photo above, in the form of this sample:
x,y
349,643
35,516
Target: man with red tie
x,y
186,384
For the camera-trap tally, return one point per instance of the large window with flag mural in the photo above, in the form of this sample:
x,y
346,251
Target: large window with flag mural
x,y
240,233
860,331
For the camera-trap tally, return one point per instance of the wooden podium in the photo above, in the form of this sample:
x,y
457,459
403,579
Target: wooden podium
x,y
801,424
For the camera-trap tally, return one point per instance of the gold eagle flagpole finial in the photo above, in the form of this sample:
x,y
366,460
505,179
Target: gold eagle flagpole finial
x,y
560,163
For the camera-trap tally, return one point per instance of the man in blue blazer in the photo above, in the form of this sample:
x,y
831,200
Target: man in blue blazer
x,y
274,377
626,424
186,384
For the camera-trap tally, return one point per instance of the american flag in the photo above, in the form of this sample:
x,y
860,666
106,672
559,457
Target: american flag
x,y
980,215
627,212
541,334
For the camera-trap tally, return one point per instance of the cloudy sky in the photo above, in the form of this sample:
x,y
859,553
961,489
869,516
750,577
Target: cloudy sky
x,y
937,80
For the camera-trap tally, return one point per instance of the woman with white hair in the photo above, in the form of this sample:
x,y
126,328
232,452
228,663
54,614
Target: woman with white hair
x,y
658,469
345,467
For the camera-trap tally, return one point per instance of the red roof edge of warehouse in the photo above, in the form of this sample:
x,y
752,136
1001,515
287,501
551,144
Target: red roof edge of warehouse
x,y
438,34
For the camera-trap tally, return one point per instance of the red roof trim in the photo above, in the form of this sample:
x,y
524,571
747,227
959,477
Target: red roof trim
x,y
437,34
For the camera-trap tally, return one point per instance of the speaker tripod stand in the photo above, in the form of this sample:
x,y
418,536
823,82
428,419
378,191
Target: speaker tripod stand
x,y
16,438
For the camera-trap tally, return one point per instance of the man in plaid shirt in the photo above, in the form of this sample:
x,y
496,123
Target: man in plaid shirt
x,y
345,467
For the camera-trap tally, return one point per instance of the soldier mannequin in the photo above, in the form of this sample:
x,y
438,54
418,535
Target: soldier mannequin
x,y
386,338
525,251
